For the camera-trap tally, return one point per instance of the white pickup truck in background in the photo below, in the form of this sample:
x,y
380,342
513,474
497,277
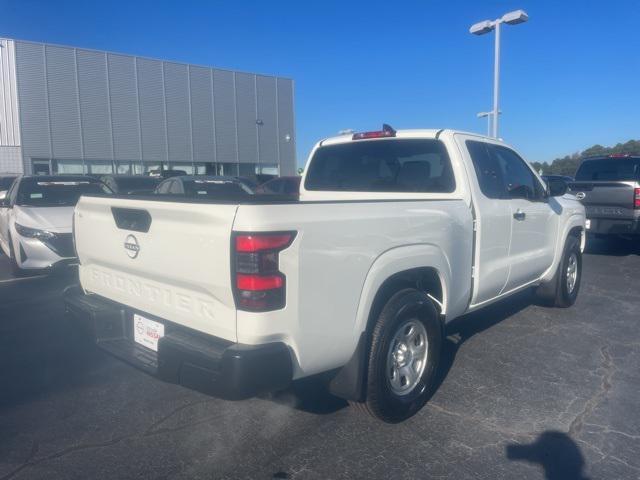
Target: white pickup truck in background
x,y
393,235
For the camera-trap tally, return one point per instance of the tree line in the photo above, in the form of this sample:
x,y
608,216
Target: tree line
x,y
568,164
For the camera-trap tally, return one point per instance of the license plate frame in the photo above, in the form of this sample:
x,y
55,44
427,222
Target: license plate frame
x,y
147,332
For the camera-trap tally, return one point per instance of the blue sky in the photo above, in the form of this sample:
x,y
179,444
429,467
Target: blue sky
x,y
570,76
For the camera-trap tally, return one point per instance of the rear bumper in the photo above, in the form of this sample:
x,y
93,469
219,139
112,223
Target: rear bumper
x,y
187,357
613,226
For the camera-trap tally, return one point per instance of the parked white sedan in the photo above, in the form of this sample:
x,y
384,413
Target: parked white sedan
x,y
36,217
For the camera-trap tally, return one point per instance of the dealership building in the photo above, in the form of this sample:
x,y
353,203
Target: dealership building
x,y
72,110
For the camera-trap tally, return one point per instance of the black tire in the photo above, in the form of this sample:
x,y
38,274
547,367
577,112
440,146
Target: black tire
x,y
401,311
556,292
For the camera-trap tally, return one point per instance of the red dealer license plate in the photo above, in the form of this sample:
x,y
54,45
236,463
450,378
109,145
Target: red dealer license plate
x,y
147,332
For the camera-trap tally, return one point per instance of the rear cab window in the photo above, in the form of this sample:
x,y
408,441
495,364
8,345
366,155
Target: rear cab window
x,y
390,165
609,169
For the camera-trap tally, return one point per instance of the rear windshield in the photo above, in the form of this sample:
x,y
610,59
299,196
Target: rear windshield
x,y
196,188
136,183
41,193
614,169
395,165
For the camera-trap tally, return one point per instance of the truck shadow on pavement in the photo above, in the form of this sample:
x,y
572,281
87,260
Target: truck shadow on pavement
x,y
555,452
312,394
462,329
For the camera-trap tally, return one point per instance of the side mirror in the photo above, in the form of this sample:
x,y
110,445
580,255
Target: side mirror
x,y
557,187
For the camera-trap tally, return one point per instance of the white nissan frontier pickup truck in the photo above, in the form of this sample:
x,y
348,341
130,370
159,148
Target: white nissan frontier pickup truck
x,y
394,234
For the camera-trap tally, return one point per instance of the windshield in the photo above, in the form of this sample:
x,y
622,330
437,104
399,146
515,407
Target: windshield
x,y
611,169
410,165
5,183
56,193
195,188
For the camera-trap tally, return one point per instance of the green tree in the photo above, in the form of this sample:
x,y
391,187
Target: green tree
x,y
568,164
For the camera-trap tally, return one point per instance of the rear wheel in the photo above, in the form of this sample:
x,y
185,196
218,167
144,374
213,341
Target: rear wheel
x,y
562,290
403,357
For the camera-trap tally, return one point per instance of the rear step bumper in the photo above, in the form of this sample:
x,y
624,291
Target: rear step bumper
x,y
193,359
614,226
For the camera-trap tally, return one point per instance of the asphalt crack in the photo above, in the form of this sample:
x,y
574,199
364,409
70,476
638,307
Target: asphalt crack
x,y
609,369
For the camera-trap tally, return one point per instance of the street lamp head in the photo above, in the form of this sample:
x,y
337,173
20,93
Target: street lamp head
x,y
515,17
481,28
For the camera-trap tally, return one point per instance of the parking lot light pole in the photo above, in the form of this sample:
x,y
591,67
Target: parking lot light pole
x,y
488,115
486,26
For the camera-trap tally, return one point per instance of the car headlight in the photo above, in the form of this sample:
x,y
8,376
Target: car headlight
x,y
34,232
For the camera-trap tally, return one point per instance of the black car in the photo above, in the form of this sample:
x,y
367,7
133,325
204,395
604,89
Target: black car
x,y
131,184
195,186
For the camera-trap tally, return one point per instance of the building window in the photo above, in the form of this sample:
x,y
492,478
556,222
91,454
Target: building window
x,y
40,167
99,167
68,167
185,167
248,170
230,169
267,169
204,168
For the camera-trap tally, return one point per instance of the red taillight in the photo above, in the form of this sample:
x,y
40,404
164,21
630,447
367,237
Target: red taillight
x,y
636,198
255,283
257,242
259,286
365,135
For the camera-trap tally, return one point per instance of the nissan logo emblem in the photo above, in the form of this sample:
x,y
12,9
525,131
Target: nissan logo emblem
x,y
131,246
580,195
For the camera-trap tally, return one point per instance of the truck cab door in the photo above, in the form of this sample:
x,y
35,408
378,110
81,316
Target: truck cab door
x,y
493,217
534,219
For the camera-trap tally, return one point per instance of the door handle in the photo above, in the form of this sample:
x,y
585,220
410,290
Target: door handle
x,y
519,215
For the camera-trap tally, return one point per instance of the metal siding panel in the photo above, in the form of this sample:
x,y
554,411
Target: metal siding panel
x,y
202,114
9,128
176,88
286,127
123,96
15,117
94,105
64,116
5,96
225,116
268,115
246,119
152,115
32,98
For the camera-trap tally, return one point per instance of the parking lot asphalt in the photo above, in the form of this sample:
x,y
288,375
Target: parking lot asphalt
x,y
526,392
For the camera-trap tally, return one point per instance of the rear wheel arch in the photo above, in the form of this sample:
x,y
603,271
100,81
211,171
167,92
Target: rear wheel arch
x,y
423,279
350,380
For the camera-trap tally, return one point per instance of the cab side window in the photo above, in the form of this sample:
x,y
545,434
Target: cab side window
x,y
488,169
519,180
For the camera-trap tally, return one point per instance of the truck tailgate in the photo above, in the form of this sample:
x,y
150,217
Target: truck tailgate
x,y
606,199
168,259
